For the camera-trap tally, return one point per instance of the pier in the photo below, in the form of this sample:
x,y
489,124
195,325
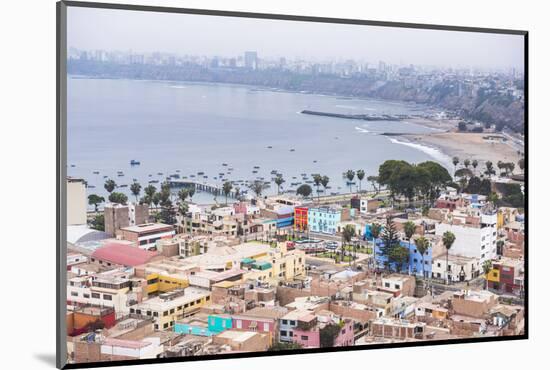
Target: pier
x,y
199,186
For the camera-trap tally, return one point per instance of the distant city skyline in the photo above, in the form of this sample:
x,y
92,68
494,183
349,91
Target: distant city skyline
x,y
210,36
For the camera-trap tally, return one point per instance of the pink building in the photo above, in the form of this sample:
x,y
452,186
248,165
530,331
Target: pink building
x,y
259,319
308,331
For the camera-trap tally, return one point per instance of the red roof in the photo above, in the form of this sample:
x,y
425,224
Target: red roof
x,y
122,254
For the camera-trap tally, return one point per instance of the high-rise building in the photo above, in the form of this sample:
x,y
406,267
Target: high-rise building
x,y
251,59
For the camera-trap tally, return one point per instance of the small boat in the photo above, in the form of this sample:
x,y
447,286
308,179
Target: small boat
x,y
72,165
292,150
254,171
91,186
150,175
269,147
200,173
257,167
134,162
191,175
96,172
224,164
315,161
153,182
123,186
178,171
120,175
105,176
160,173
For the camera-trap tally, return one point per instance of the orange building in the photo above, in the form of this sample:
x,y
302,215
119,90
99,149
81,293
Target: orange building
x,y
300,218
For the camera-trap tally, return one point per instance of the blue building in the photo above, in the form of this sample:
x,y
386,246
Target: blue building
x,y
219,323
285,216
323,220
201,331
414,265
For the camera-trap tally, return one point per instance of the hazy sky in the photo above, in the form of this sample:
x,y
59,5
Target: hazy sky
x,y
225,36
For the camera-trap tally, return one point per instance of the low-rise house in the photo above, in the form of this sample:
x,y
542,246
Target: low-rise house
x,y
243,341
455,268
146,235
323,330
167,308
397,329
122,254
506,276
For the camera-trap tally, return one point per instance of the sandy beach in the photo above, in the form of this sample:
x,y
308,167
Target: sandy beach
x,y
469,145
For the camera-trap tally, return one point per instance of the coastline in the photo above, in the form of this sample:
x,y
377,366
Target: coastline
x,y
446,143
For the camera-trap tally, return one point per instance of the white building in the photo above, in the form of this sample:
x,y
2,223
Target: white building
x,y
477,241
459,268
99,291
76,202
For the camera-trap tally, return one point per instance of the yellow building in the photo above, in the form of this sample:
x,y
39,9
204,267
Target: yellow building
x,y
493,275
164,282
166,308
278,264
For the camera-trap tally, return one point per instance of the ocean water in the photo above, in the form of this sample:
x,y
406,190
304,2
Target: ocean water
x,y
186,128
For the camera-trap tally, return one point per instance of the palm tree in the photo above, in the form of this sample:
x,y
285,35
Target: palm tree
x,y
375,230
227,187
487,267
474,164
324,182
237,192
422,245
317,179
110,185
360,177
183,208
466,163
448,240
135,188
374,180
350,175
183,194
455,161
150,191
489,170
279,181
409,228
258,187
94,200
191,192
347,234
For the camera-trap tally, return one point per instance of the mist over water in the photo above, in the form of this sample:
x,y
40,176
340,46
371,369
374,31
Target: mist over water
x,y
171,126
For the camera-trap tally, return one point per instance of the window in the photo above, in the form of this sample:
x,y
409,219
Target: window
x,y
292,323
108,297
86,295
155,314
165,313
148,313
165,325
156,326
285,322
304,337
138,311
290,334
266,326
283,333
239,324
74,294
172,311
95,295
